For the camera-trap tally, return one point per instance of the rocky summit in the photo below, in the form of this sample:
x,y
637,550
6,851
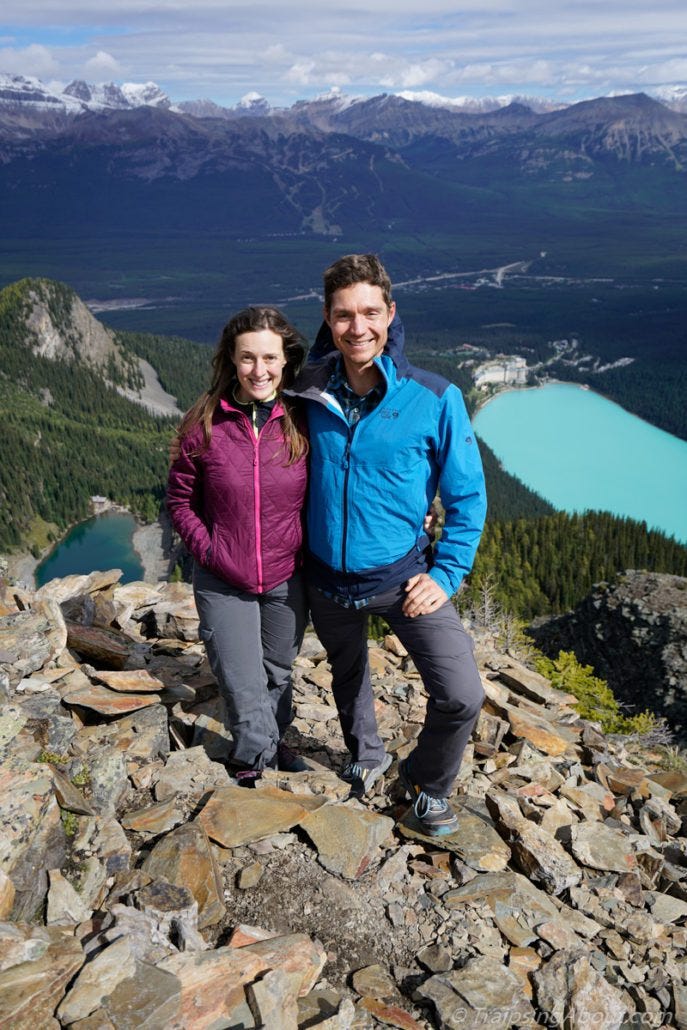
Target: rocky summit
x,y
141,887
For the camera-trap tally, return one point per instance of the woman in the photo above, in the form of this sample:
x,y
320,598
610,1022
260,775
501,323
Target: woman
x,y
235,495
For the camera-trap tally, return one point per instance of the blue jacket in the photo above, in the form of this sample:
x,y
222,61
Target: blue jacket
x,y
372,484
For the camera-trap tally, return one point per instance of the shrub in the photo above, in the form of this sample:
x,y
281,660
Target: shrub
x,y
595,699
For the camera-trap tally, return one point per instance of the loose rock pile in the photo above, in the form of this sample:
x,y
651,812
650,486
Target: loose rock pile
x,y
141,887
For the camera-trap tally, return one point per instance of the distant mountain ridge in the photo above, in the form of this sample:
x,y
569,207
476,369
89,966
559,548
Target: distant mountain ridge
x,y
327,166
19,91
79,95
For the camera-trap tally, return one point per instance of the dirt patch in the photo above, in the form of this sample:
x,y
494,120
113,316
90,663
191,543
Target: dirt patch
x,y
296,895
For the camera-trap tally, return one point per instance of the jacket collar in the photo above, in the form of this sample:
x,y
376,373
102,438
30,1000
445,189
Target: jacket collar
x,y
229,407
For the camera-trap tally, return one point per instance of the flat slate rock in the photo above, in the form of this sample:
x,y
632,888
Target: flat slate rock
x,y
108,702
534,686
602,847
347,838
184,858
97,644
483,992
155,819
574,994
190,772
536,853
64,589
30,639
475,841
97,979
31,990
134,681
236,815
149,999
213,982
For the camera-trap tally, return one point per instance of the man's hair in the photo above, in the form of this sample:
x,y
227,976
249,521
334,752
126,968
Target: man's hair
x,y
352,269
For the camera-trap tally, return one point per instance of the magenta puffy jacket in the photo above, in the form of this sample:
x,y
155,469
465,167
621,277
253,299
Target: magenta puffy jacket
x,y
237,506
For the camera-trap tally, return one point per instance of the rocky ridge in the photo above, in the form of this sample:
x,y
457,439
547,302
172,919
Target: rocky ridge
x,y
634,633
140,887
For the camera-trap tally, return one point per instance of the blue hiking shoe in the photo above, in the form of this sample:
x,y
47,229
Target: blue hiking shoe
x,y
435,815
362,780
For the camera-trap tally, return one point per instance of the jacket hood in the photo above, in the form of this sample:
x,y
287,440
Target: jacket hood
x,y
395,344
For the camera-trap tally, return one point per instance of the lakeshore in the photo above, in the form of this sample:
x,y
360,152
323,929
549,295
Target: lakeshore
x,y
151,543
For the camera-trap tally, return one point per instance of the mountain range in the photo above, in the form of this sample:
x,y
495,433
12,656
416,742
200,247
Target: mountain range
x,y
79,96
177,218
116,158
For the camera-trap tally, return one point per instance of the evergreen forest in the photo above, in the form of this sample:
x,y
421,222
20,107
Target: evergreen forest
x,y
546,565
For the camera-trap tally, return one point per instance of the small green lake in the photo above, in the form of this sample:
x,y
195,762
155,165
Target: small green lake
x,y
581,451
100,543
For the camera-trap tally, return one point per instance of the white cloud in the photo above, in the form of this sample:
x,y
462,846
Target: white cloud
x,y
34,59
286,49
301,73
102,66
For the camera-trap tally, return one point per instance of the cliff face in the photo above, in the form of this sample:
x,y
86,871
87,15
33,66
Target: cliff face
x,y
635,635
140,886
46,319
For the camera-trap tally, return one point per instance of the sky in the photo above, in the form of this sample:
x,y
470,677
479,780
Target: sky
x,y
286,51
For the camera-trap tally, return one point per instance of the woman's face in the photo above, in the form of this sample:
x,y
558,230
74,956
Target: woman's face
x,y
259,358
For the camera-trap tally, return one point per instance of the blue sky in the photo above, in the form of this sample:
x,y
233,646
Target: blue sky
x,y
563,49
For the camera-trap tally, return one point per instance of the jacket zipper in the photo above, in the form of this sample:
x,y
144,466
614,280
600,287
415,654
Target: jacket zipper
x,y
256,502
347,468
255,434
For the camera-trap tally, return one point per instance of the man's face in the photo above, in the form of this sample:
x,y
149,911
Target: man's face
x,y
359,319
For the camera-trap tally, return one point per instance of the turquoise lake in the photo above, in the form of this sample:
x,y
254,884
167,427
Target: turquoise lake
x,y
101,543
581,451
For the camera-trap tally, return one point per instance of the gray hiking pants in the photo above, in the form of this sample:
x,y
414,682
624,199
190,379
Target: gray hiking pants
x,y
443,655
251,641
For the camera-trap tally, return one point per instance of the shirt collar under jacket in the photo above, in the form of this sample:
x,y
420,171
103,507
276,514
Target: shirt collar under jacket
x,y
257,412
352,404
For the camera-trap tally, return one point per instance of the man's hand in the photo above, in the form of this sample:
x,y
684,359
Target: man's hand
x,y
430,522
174,449
424,596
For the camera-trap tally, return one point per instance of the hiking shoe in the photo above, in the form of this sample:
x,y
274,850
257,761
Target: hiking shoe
x,y
247,777
362,780
288,761
435,815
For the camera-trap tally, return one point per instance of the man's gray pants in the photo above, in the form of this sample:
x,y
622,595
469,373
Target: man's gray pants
x,y
251,641
443,655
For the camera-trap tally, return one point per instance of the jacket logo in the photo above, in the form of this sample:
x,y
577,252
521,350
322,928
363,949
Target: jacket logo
x,y
389,413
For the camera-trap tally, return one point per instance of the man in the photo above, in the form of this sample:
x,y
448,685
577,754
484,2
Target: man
x,y
384,436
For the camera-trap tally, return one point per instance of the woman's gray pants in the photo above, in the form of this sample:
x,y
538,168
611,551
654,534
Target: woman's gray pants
x,y
251,641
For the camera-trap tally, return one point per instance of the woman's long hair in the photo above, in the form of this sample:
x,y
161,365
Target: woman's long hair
x,y
224,375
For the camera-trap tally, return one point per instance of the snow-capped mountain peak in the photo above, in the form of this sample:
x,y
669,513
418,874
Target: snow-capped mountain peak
x,y
145,94
479,105
28,93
